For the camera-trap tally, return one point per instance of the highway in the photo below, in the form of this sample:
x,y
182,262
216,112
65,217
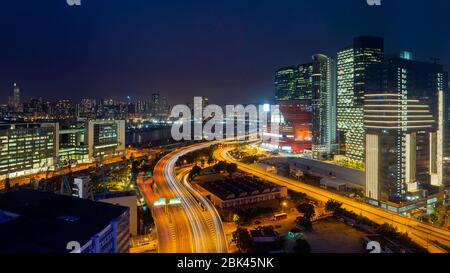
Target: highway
x,y
421,233
184,228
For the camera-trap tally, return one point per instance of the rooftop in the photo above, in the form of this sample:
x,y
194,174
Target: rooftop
x,y
109,194
238,187
46,221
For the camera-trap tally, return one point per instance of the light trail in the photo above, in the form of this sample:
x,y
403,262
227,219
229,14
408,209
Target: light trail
x,y
416,229
184,228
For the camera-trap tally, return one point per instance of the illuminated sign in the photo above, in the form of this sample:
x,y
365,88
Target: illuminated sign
x,y
160,202
175,201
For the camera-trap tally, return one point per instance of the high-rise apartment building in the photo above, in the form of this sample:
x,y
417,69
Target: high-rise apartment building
x,y
352,63
323,106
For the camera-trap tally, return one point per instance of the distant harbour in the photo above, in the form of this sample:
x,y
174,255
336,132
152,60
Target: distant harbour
x,y
148,136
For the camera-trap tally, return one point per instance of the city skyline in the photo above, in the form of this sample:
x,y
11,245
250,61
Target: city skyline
x,y
254,126
87,54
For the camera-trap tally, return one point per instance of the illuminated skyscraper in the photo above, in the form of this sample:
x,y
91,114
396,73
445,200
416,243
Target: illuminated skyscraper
x,y
14,101
285,83
323,106
352,63
396,129
156,105
427,82
294,82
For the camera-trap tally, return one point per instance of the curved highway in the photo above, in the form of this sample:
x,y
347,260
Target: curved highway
x,y
194,226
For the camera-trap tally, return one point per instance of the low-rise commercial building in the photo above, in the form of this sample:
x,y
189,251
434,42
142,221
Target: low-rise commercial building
x,y
105,138
240,191
126,199
50,223
27,148
93,139
30,148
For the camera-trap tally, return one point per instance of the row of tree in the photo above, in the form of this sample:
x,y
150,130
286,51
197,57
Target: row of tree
x,y
243,240
219,167
205,154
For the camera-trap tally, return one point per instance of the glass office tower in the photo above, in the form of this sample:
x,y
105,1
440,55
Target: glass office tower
x,y
427,82
323,106
396,127
352,63
294,82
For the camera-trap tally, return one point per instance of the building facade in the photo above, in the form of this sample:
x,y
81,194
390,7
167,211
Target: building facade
x,y
427,82
352,63
396,127
14,103
294,82
45,222
72,146
105,138
240,191
292,122
323,106
27,148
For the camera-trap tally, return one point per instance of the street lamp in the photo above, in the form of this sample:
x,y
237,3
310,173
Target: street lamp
x,y
284,205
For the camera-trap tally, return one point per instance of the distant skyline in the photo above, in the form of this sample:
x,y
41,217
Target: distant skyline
x,y
226,50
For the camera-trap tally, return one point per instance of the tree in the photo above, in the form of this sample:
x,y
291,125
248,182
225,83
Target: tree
x,y
242,239
7,185
231,168
196,170
135,167
297,197
220,166
433,218
210,160
387,230
303,222
146,168
302,246
307,210
333,206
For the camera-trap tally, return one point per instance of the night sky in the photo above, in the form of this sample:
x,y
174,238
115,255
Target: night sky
x,y
226,50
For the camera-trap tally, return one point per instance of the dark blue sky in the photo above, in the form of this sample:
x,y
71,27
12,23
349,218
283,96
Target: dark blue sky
x,y
224,49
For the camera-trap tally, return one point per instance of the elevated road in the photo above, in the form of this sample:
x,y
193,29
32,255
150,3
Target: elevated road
x,y
421,233
194,226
